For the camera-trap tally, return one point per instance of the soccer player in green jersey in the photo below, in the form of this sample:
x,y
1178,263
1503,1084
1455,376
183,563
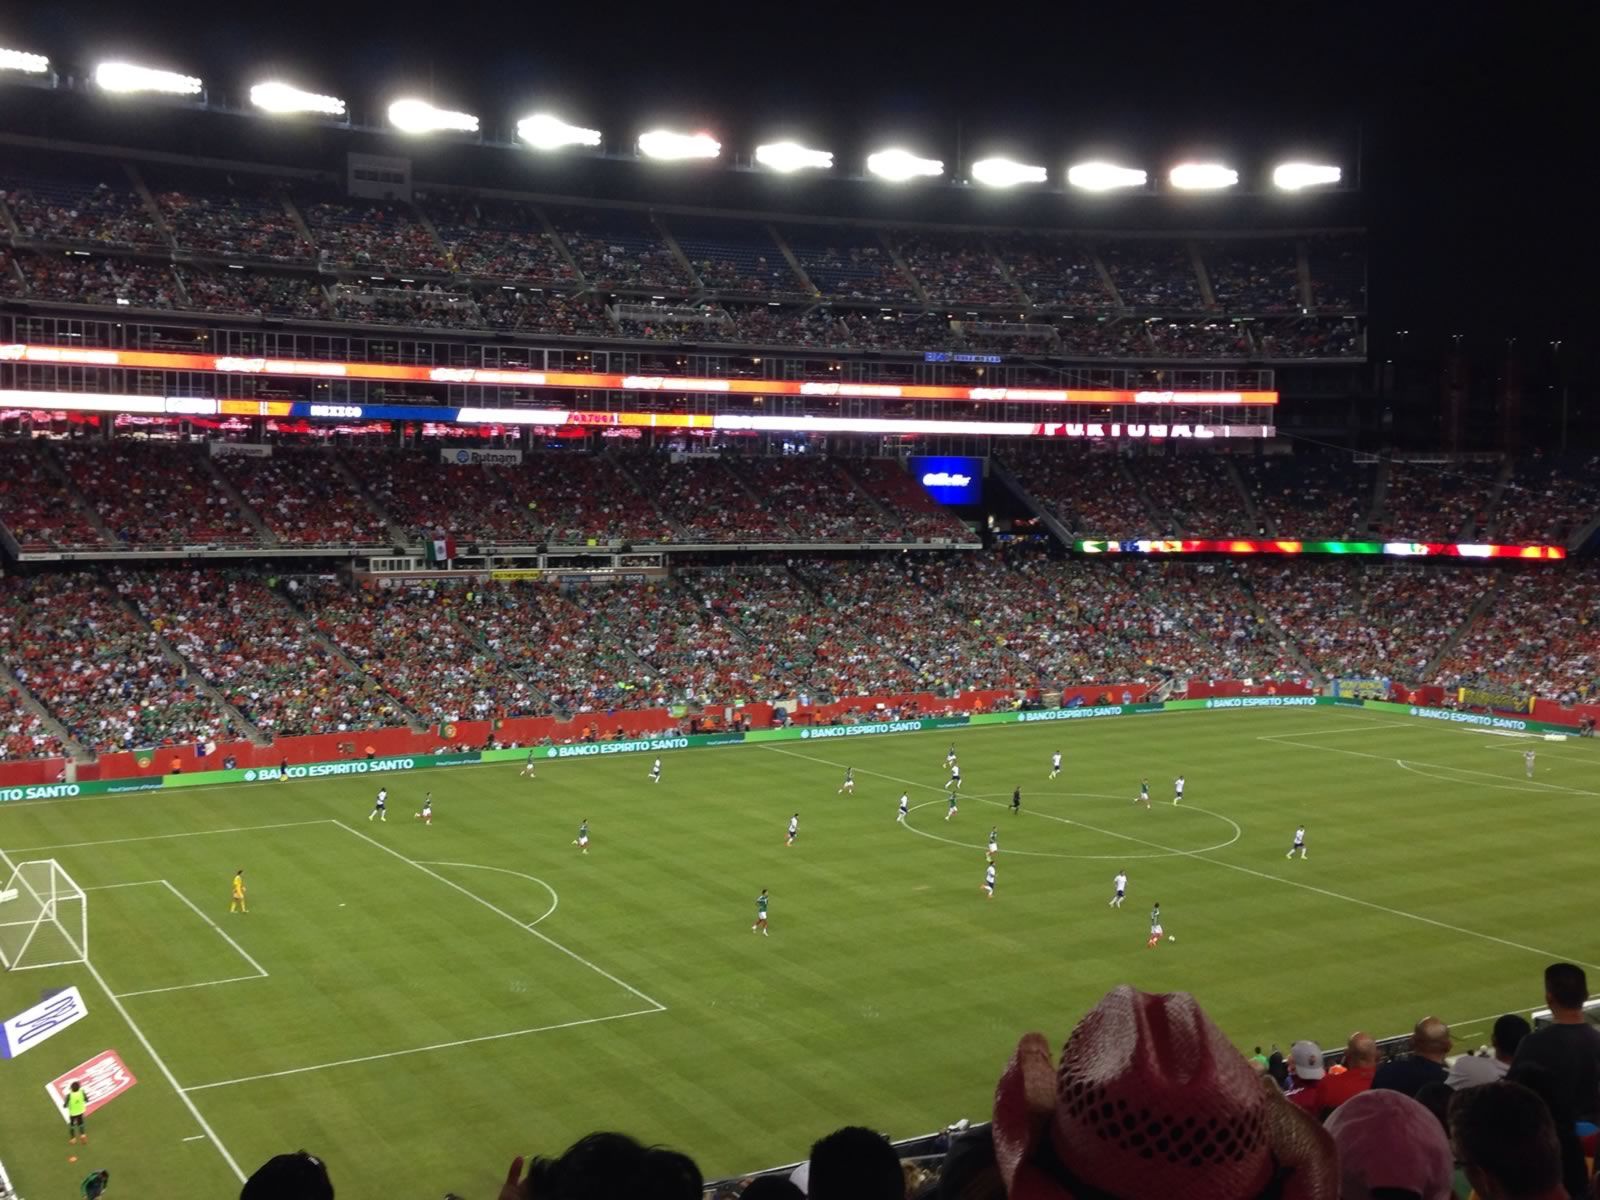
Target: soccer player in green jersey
x,y
94,1184
952,812
582,840
761,913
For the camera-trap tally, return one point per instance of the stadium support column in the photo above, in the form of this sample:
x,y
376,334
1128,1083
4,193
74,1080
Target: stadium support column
x,y
1454,384
1509,401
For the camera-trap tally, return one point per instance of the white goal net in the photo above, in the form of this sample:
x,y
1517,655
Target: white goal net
x,y
44,916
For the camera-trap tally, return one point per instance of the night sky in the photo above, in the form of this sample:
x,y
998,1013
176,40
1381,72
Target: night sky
x,y
1473,124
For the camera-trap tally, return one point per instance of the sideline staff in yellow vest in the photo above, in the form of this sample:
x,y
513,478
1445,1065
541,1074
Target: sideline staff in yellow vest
x,y
76,1103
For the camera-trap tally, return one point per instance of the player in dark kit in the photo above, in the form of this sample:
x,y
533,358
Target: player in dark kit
x,y
1016,801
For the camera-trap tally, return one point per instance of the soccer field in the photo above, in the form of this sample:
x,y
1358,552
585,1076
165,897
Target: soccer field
x,y
418,1004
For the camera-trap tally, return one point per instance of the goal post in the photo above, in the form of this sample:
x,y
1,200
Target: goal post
x,y
44,916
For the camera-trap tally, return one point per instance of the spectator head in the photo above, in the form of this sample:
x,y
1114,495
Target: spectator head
x,y
604,1165
1543,1083
1390,1145
1565,988
1361,1050
1431,1039
1151,1100
1508,1033
1503,1135
1307,1058
854,1163
771,1187
297,1176
1435,1097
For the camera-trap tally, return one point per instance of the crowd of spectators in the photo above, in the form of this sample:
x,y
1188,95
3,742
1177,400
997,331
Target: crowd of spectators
x,y
1352,620
703,501
956,269
1549,500
409,641
1254,277
37,507
619,249
244,221
758,600
737,257
849,264
542,312
78,211
1540,637
253,293
1054,273
1437,502
1089,490
1195,492
1201,339
1311,338
1104,338
304,499
372,235
97,669
257,651
1338,274
428,498
155,494
1153,275
577,498
916,516
1310,495
76,277
22,733
420,306
490,238
814,498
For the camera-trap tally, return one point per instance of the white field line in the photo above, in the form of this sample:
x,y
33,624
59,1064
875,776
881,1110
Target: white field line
x,y
655,1005
1409,764
158,837
1548,955
260,971
472,1041
161,1065
555,900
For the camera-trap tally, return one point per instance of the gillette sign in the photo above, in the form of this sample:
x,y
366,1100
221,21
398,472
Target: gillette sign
x,y
949,479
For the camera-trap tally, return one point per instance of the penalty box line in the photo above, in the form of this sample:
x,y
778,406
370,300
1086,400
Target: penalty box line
x,y
1243,870
260,971
655,1006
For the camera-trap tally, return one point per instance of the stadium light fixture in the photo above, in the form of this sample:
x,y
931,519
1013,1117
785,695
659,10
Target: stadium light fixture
x,y
792,156
545,132
1293,176
1003,173
128,77
418,116
1202,177
285,98
1104,177
23,62
670,146
898,166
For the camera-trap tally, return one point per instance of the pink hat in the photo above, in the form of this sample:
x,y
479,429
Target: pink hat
x,y
1151,1101
1387,1140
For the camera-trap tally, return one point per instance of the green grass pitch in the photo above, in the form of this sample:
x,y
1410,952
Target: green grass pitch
x,y
420,1004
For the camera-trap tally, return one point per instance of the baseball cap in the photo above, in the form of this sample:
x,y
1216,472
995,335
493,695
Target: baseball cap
x,y
1387,1140
1307,1058
297,1176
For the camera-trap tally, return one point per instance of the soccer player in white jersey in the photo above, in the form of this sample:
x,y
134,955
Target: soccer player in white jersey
x,y
994,843
954,782
527,767
1177,790
988,881
905,807
426,815
380,806
655,772
1055,764
1119,881
794,829
1299,842
950,756
1527,763
849,784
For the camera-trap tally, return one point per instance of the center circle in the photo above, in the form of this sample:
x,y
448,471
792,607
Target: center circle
x,y
1005,802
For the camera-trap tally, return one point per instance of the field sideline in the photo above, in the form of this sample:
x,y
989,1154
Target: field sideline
x,y
419,1004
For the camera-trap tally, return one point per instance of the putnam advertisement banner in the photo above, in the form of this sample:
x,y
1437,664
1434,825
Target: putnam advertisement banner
x,y
480,458
240,450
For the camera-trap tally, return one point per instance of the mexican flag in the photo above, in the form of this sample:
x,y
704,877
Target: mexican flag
x,y
441,549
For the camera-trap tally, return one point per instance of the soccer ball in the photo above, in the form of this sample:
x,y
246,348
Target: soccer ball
x,y
1172,937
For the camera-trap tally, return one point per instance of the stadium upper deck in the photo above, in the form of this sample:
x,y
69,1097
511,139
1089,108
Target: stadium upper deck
x,y
147,237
